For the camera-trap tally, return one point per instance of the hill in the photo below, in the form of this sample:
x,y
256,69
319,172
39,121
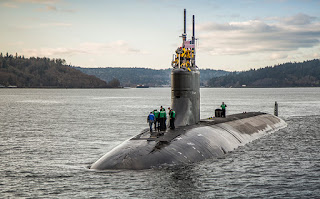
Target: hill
x,y
302,74
42,73
150,77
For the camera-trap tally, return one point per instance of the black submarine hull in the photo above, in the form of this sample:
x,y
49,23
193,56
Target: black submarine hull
x,y
210,138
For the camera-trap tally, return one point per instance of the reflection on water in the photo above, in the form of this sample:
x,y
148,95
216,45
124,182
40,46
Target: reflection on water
x,y
50,136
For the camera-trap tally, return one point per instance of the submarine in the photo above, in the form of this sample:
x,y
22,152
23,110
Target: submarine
x,y
193,140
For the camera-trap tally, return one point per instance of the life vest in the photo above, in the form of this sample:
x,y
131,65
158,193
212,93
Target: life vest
x,y
156,114
163,114
172,114
184,52
188,54
151,117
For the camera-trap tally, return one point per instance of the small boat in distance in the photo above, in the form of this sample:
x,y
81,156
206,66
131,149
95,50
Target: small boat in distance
x,y
142,86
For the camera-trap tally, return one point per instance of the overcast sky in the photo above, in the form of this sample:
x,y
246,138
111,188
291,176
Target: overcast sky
x,y
232,34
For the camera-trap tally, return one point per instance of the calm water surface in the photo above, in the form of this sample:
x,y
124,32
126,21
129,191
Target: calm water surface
x,y
48,138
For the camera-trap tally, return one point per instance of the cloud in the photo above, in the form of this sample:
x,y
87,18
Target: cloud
x,y
117,47
48,8
51,52
17,43
14,3
56,24
49,5
38,1
248,26
316,55
276,56
9,5
255,36
299,19
40,26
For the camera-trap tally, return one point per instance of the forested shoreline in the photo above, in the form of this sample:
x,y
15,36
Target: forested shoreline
x,y
131,77
297,74
36,72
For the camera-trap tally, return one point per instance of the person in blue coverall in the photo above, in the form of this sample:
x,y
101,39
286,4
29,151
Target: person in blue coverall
x,y
151,119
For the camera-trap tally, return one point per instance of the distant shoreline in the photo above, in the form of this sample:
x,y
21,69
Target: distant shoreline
x,y
55,88
155,87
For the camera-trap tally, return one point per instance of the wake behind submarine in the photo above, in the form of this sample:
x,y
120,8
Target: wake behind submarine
x,y
193,140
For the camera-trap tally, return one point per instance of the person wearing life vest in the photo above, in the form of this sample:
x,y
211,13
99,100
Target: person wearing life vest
x,y
162,119
156,119
172,115
223,107
150,120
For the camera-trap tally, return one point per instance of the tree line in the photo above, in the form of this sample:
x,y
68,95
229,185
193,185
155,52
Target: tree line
x,y
36,72
55,73
145,76
297,74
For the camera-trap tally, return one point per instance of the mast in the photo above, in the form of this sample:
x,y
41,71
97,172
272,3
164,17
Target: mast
x,y
193,29
184,35
193,58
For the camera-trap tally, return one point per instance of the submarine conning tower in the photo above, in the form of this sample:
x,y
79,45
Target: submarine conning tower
x,y
185,81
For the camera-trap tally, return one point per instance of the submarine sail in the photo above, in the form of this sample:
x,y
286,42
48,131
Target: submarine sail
x,y
193,140
185,81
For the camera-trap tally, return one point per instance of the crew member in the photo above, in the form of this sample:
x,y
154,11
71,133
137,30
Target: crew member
x,y
172,115
223,107
156,120
162,119
150,120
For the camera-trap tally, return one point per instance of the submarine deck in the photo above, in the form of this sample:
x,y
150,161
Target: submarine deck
x,y
169,134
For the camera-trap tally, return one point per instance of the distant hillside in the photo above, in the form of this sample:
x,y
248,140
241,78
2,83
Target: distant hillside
x,y
303,74
151,77
43,72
